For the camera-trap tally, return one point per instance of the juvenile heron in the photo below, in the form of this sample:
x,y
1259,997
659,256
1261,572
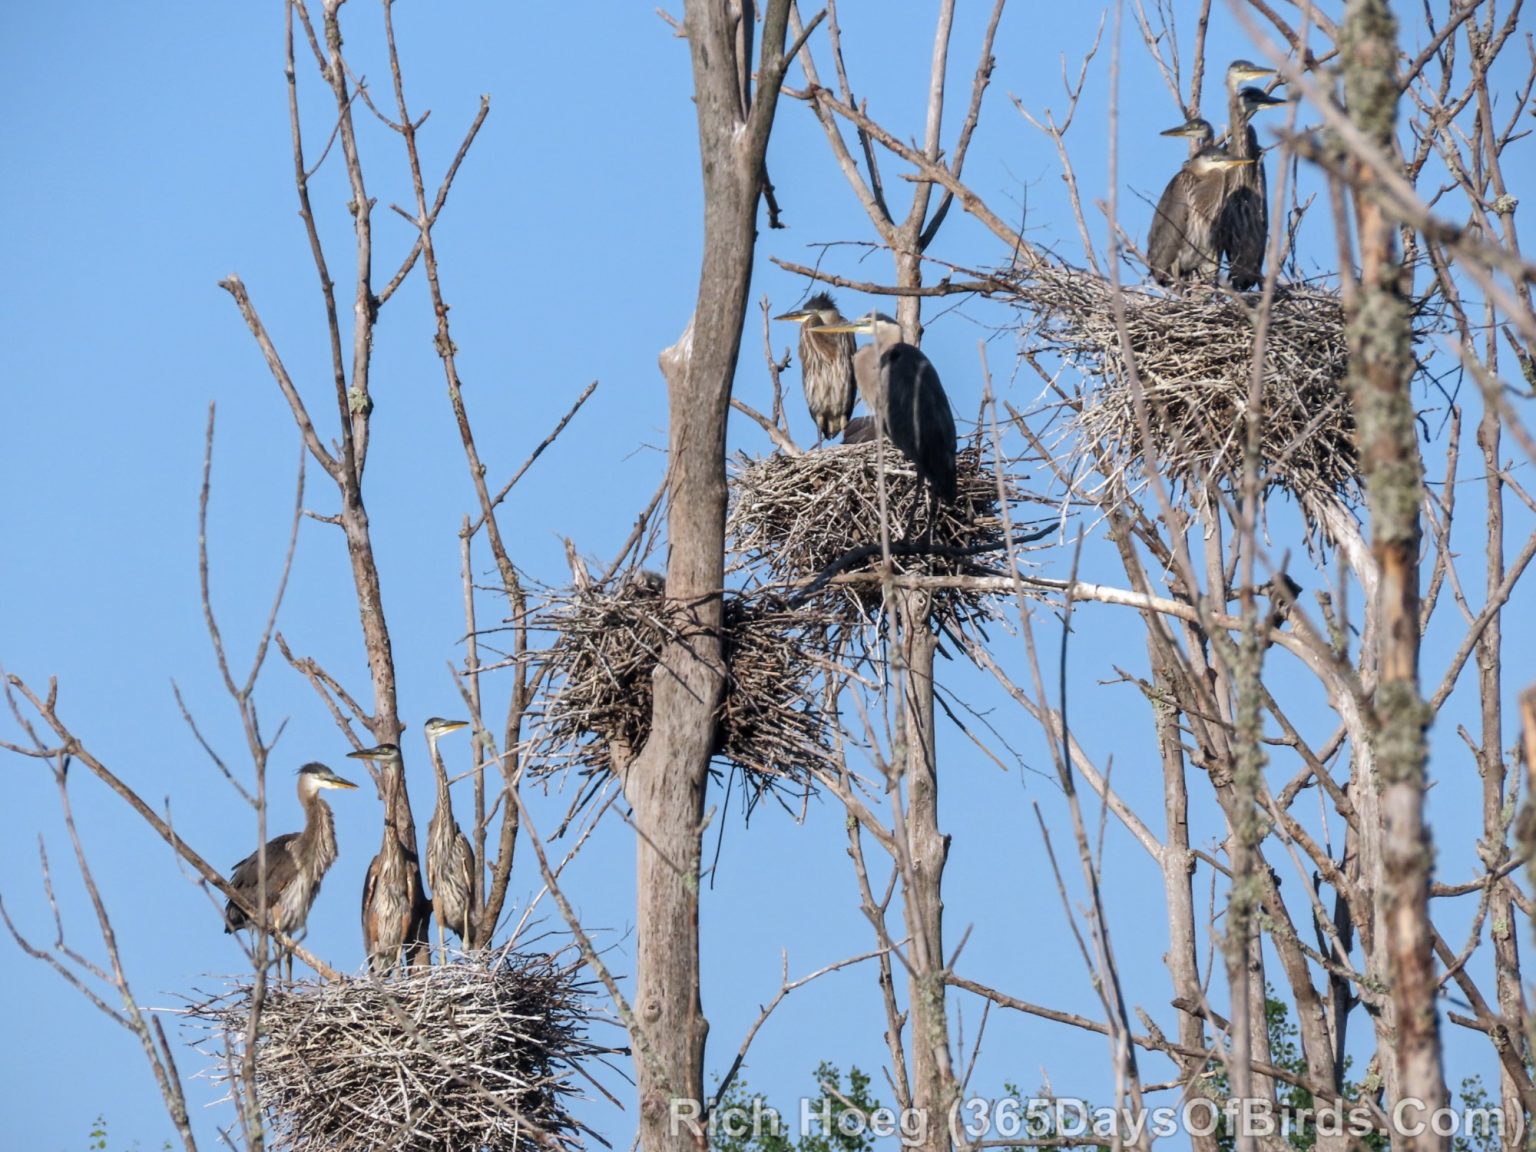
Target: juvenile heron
x,y
902,389
861,430
1242,231
296,863
450,860
392,896
826,364
1182,242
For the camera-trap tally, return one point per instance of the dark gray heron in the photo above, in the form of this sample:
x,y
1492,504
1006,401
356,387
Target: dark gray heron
x,y
826,364
902,389
861,430
1242,232
450,859
296,863
392,896
1182,241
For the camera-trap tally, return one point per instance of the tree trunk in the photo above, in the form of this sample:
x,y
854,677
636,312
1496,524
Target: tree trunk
x,y
1178,868
1381,372
666,783
934,1088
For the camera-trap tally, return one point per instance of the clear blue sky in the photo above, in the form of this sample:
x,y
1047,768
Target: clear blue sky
x,y
149,158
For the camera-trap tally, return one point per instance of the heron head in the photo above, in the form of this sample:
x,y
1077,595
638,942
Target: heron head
x,y
820,307
314,776
1241,72
1194,129
1255,99
437,726
876,324
1213,159
385,754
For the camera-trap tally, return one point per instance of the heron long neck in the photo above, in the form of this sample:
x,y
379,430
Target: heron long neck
x,y
886,334
394,794
832,345
442,773
1244,143
866,375
317,843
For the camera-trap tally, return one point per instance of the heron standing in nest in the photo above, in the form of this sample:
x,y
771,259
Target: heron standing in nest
x,y
1242,232
826,364
902,389
296,862
450,860
394,906
1182,242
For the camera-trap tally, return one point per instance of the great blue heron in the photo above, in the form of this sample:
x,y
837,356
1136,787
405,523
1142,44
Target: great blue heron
x,y
392,896
450,860
1242,232
901,387
826,364
861,430
1182,242
296,863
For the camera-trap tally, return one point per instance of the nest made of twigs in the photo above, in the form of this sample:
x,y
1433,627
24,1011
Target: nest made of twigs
x,y
773,723
1193,356
792,516
473,1054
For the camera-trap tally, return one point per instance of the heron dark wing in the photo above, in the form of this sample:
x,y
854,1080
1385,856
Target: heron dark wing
x,y
370,884
1170,229
1242,230
1241,235
245,878
918,416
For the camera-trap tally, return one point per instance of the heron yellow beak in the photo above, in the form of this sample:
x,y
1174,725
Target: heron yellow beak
x,y
799,316
1246,72
1188,128
334,781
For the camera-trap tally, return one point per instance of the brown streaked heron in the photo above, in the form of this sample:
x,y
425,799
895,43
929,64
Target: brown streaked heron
x,y
451,867
826,364
902,389
1182,241
296,862
1242,232
393,901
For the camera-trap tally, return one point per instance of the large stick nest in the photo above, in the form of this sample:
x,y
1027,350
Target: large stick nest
x,y
475,1054
792,517
1193,355
772,723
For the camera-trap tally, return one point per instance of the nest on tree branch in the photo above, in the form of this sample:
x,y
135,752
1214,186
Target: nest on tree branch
x,y
774,723
1193,354
475,1054
791,517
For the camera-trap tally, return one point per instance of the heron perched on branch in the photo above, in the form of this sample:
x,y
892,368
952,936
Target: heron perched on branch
x,y
392,895
296,862
826,363
1242,232
1182,242
450,860
902,389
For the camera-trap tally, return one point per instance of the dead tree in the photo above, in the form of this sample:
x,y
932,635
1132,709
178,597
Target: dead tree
x,y
666,782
